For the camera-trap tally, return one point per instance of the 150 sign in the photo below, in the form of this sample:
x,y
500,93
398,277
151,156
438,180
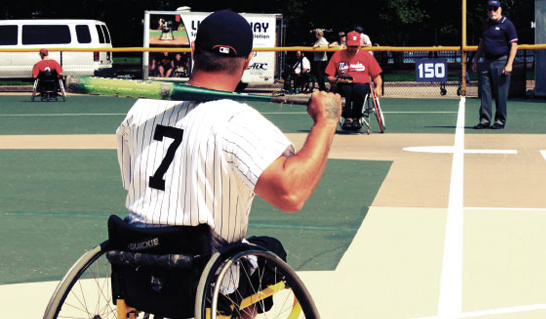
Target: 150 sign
x,y
431,70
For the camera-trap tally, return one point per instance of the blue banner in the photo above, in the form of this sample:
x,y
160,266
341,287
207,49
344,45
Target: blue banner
x,y
431,70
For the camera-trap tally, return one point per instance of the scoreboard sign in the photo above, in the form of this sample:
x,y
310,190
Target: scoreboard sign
x,y
431,70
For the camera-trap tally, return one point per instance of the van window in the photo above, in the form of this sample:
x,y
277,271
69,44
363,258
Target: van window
x,y
83,34
101,35
8,35
106,33
46,34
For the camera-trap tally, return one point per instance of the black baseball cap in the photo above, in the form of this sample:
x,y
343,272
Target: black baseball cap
x,y
225,33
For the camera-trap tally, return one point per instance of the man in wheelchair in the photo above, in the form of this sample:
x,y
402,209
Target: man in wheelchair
x,y
48,75
186,163
296,75
350,71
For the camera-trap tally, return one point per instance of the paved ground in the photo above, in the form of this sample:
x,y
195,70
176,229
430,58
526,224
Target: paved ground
x,y
455,231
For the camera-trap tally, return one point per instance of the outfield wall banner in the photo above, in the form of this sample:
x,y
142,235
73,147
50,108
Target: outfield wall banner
x,y
262,65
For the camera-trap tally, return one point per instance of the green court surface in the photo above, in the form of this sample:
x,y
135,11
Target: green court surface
x,y
102,114
177,33
55,202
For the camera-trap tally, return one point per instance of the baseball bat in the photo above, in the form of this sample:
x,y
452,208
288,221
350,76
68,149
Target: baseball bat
x,y
154,90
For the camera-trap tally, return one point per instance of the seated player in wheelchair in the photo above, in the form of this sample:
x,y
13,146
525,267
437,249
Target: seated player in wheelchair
x,y
47,73
349,72
296,75
203,163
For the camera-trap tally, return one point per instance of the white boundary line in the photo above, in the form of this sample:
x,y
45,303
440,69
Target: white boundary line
x,y
543,152
499,311
452,149
62,114
266,113
515,209
450,299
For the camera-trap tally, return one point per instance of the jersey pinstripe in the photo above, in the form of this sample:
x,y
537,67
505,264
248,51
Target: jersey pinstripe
x,y
184,163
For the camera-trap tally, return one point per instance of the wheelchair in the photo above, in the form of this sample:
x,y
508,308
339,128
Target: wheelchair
x,y
171,272
370,109
293,85
49,86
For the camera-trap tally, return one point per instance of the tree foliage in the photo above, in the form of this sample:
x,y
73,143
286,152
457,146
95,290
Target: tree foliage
x,y
387,22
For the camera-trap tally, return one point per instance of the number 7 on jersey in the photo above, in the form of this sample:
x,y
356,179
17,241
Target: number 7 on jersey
x,y
156,181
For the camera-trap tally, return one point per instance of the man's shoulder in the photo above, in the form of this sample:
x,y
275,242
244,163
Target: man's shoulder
x,y
508,22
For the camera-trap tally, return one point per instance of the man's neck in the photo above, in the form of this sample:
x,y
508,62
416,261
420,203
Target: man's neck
x,y
214,81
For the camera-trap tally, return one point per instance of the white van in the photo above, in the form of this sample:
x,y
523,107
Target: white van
x,y
54,35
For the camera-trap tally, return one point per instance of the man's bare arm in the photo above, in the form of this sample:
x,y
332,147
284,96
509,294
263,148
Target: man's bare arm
x,y
289,181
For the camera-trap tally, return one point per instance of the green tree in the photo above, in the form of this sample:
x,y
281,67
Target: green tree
x,y
387,22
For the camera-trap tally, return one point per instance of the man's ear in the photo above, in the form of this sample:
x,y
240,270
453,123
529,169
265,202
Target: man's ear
x,y
247,60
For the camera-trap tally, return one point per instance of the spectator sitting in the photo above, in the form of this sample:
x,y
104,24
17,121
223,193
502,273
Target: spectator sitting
x,y
299,72
165,65
181,65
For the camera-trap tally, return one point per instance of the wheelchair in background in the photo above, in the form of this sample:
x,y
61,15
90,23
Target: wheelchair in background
x,y
48,86
171,272
371,108
294,84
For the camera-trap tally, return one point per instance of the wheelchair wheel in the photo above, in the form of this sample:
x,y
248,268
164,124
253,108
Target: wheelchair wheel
x,y
85,291
249,281
379,113
34,88
62,91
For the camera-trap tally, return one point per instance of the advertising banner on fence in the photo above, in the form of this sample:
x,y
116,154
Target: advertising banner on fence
x,y
178,29
262,65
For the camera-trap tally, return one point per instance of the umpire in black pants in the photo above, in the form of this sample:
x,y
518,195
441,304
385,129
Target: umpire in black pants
x,y
499,44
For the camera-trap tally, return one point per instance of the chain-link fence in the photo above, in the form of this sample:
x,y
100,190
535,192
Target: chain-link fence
x,y
400,74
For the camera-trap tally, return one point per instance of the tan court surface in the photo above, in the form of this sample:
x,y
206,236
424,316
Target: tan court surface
x,y
394,265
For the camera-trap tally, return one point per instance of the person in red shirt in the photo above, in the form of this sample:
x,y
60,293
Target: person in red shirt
x,y
350,71
46,64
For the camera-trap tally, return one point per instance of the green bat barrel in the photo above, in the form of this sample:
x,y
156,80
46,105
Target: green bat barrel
x,y
153,90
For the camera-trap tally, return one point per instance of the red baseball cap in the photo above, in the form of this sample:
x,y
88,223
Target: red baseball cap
x,y
353,38
44,51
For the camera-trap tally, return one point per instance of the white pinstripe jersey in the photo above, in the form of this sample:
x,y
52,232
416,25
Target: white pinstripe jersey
x,y
185,163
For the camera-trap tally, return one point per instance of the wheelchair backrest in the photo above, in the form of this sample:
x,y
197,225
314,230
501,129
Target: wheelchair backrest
x,y
48,75
48,80
149,287
191,240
